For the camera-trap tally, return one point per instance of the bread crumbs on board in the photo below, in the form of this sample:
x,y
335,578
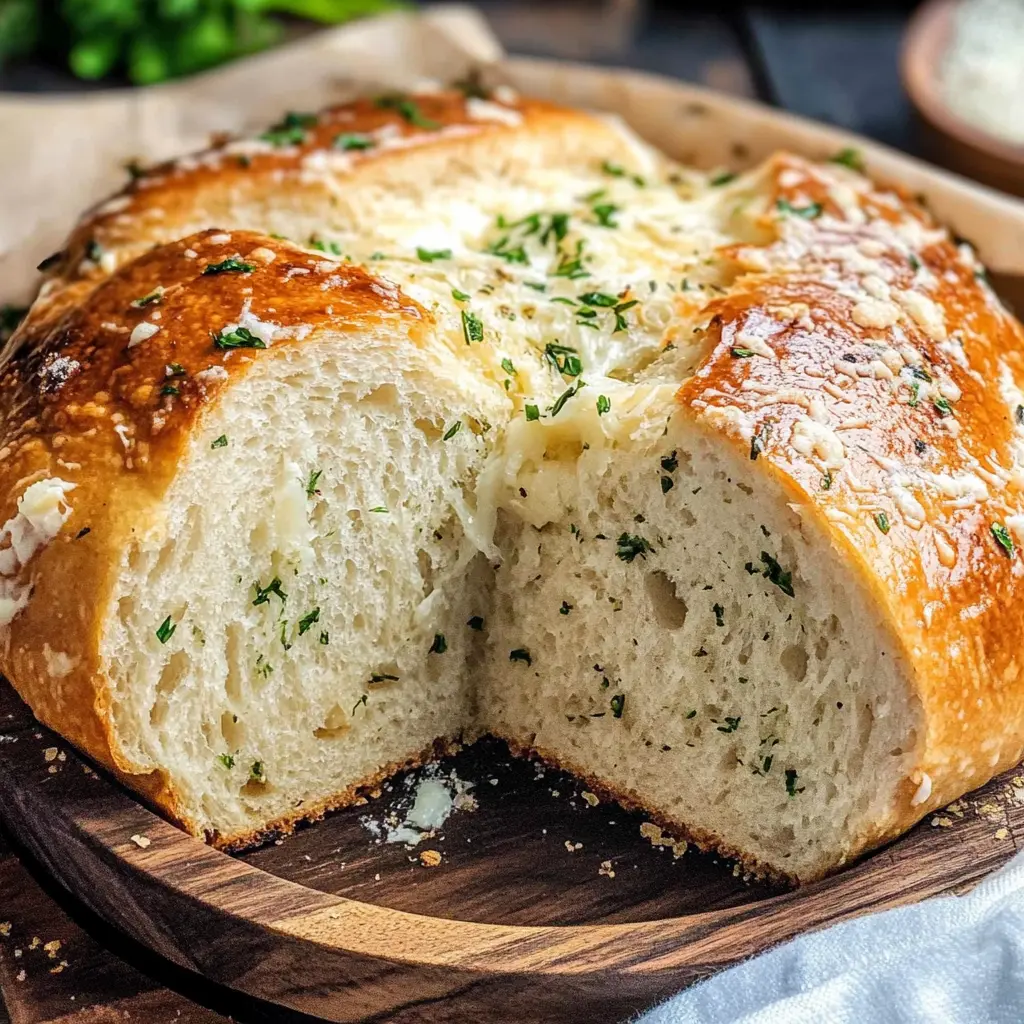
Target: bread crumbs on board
x,y
430,858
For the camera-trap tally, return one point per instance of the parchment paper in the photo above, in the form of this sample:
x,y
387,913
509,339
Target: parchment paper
x,y
63,153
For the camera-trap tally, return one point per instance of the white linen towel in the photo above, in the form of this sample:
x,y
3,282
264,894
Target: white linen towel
x,y
948,960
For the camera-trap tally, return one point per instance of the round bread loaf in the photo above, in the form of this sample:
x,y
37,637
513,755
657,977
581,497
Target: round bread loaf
x,y
440,415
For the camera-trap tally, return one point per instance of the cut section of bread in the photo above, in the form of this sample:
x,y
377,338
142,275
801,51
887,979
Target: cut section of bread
x,y
708,489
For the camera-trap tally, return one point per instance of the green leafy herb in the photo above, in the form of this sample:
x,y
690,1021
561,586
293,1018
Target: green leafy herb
x,y
719,614
603,404
166,630
571,266
564,397
722,179
808,212
220,442
174,370
379,508
630,545
312,481
452,430
383,677
758,441
605,214
227,760
240,337
667,483
617,704
791,787
564,359
228,266
532,412
362,701
325,638
440,644
429,255
1002,535
290,130
738,352
776,574
256,772
692,714
565,608
472,327
476,622
943,406
408,110
598,299
307,620
263,593
731,724
170,389
520,654
93,250
516,254
849,157
152,299
826,480
506,365
459,296
353,140
882,521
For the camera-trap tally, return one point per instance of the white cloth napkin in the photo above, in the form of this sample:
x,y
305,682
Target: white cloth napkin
x,y
949,960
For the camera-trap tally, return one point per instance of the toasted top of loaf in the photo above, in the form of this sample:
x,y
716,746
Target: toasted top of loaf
x,y
821,323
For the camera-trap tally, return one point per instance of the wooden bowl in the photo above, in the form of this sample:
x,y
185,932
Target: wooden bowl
x,y
949,139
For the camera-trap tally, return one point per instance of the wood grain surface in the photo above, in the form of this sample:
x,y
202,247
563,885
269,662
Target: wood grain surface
x,y
516,922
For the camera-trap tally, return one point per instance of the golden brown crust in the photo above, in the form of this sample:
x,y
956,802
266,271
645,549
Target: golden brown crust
x,y
928,464
91,401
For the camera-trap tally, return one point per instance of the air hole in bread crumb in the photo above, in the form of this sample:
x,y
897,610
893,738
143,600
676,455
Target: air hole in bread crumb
x,y
794,661
232,730
335,725
669,608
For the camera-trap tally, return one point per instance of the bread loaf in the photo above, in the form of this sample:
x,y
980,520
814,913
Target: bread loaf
x,y
434,416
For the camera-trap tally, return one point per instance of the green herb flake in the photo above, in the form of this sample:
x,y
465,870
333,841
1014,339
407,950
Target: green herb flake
x,y
382,677
808,212
532,413
776,574
325,638
849,157
166,630
170,389
476,622
617,704
791,786
758,441
227,760
692,714
228,266
154,298
430,255
312,481
452,430
1002,535
440,644
943,406
719,614
256,773
564,359
520,654
220,442
362,701
353,140
722,179
379,508
738,352
240,337
290,130
565,608
564,397
731,724
408,110
826,480
882,521
506,365
263,593
459,296
630,545
174,370
605,214
307,620
472,327
603,404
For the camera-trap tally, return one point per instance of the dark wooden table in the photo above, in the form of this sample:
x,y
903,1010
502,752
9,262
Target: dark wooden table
x,y
57,963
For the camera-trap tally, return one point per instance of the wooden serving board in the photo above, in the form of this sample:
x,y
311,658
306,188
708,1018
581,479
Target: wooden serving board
x,y
517,922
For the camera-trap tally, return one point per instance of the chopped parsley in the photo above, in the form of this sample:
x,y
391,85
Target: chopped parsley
x,y
605,214
565,396
325,638
532,413
170,389
174,370
408,110
228,266
452,430
507,366
564,359
166,630
476,622
603,404
382,677
379,508
440,644
509,255
571,266
670,463
848,157
667,483
598,299
240,337
429,255
791,787
472,327
263,593
739,352
826,480
565,609
362,700
220,442
311,483
353,140
882,521
943,406
256,772
290,130
459,296
692,714
776,574
227,760
722,179
1002,535
758,441
731,724
719,614
629,545
520,654
808,212
152,299
307,620
617,704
